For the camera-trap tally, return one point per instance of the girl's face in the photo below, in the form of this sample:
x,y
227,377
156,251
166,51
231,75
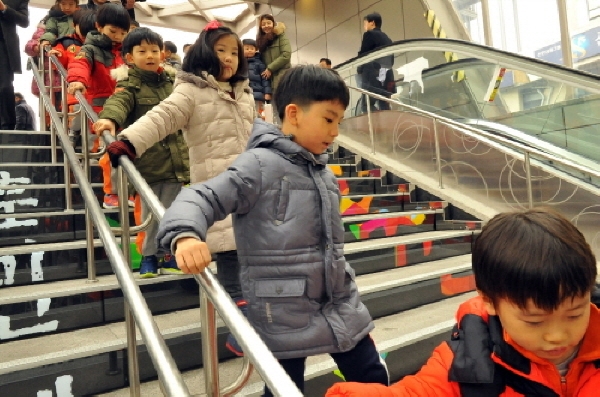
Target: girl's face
x,y
68,6
227,50
266,25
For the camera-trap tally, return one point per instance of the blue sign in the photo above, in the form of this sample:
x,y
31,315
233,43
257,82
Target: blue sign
x,y
583,45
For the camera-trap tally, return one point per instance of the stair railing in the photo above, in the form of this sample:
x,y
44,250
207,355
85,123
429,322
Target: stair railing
x,y
213,296
136,307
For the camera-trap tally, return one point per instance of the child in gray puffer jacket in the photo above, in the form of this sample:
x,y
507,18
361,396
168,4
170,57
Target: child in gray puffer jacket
x,y
301,294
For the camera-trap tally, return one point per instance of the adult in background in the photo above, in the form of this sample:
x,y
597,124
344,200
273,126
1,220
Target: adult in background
x,y
371,72
325,63
12,13
274,47
25,115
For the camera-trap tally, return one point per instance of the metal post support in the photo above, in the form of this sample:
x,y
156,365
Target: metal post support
x,y
210,361
89,222
487,29
132,356
53,102
68,189
565,36
528,179
371,133
438,159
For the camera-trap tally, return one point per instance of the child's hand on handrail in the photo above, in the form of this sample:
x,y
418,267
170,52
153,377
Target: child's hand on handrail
x,y
192,255
76,86
104,124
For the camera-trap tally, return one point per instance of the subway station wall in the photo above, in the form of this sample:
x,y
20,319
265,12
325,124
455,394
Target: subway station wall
x,y
334,28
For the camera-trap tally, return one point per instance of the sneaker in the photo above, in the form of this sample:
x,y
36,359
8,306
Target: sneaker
x,y
73,137
111,201
149,267
131,201
169,266
232,343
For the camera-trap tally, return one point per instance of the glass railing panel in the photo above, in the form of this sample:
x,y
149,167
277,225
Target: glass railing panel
x,y
498,178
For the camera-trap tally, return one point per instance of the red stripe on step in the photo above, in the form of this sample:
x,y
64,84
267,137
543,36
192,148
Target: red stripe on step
x,y
401,255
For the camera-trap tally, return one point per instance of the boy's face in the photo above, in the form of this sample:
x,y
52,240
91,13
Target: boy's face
x,y
68,6
314,127
553,336
368,25
227,49
115,33
249,50
146,56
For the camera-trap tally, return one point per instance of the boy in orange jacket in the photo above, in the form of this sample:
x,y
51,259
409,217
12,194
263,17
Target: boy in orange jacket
x,y
65,49
532,331
89,72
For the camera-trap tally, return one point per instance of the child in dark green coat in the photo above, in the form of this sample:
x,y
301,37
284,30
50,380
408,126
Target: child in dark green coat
x,y
165,166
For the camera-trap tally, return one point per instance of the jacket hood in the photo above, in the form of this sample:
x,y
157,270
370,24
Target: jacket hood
x,y
100,40
267,135
122,72
279,28
56,13
206,80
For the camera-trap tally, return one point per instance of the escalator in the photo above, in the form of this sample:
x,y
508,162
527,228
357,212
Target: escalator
x,y
490,132
545,101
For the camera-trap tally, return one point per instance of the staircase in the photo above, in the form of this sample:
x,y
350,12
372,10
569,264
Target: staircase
x,y
61,334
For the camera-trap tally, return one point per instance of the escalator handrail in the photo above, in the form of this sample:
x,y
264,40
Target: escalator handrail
x,y
489,138
550,71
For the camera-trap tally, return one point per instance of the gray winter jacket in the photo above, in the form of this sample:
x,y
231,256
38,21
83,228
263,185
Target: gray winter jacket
x,y
301,293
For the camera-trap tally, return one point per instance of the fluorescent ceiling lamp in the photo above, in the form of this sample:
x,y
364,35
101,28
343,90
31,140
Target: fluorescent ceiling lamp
x,y
165,3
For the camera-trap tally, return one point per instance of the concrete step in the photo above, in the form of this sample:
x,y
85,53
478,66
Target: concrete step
x,y
408,338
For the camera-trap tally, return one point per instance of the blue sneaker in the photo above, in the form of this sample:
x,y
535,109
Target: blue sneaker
x,y
232,343
169,265
149,267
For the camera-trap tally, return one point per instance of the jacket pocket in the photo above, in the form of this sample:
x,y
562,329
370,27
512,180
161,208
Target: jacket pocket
x,y
283,199
282,304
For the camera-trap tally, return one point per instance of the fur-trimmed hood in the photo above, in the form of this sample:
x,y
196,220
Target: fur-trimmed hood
x,y
279,28
122,72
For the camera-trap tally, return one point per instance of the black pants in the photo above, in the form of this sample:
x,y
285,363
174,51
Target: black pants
x,y
361,364
228,273
8,118
369,73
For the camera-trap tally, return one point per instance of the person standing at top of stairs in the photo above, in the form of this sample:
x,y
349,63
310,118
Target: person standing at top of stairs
x,y
165,166
25,115
371,72
89,73
12,13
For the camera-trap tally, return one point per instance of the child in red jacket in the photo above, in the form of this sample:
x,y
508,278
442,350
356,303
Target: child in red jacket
x,y
532,331
65,49
89,73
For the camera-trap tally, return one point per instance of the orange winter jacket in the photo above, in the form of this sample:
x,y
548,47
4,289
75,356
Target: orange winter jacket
x,y
522,369
68,47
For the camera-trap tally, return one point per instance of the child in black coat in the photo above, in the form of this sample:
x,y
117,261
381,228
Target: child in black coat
x,y
261,87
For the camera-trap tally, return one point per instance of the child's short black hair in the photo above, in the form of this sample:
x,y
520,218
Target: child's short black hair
x,y
86,20
326,60
136,36
251,42
113,14
135,23
306,84
202,57
374,17
170,46
536,255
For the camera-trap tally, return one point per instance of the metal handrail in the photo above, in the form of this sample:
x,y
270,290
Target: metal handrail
x,y
157,348
498,142
550,71
215,297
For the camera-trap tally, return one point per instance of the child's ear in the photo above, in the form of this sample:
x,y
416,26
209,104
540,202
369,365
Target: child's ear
x,y
487,303
291,113
162,56
98,27
129,58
